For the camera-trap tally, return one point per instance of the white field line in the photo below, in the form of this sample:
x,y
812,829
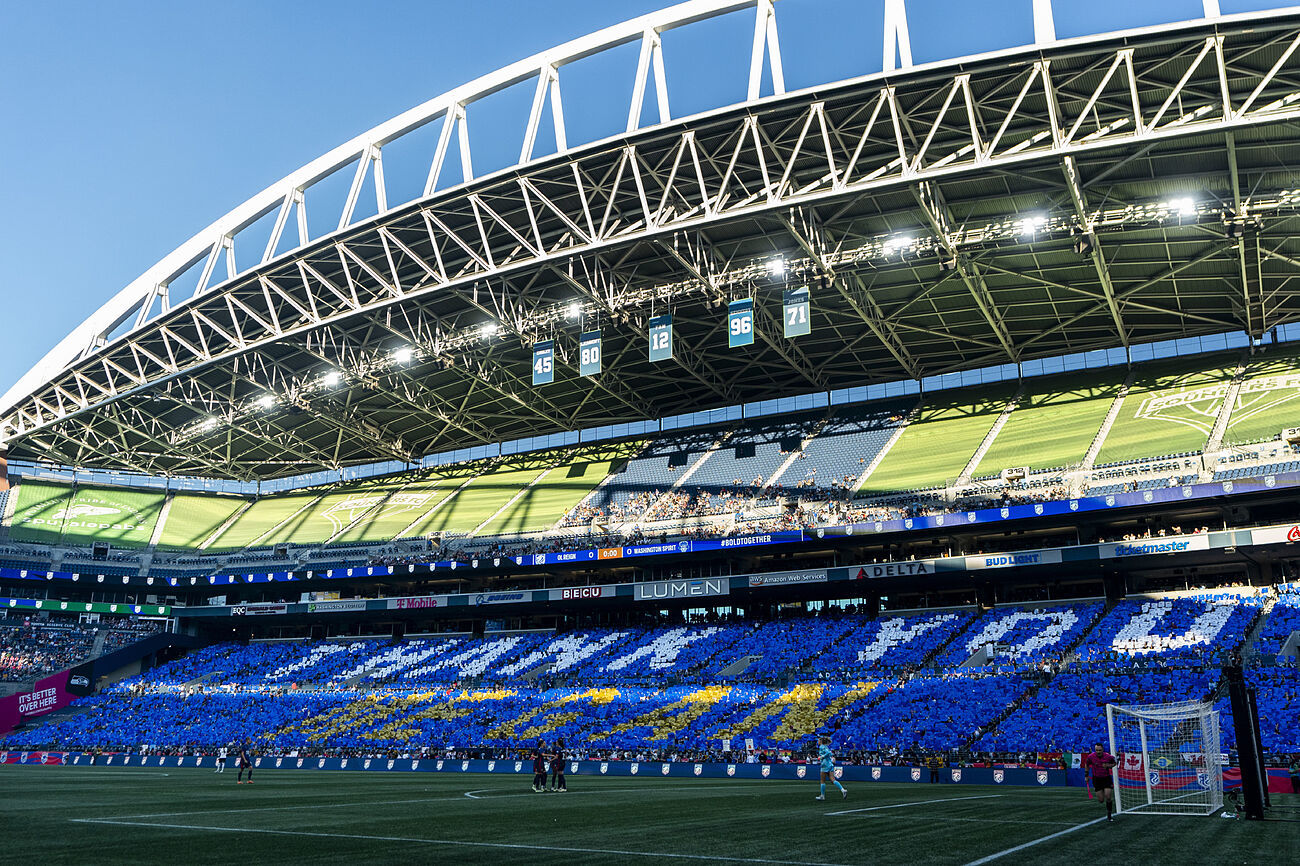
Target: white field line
x,y
675,791
457,843
917,803
1033,842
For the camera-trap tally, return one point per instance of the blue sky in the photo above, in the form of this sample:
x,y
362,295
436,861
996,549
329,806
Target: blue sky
x,y
128,126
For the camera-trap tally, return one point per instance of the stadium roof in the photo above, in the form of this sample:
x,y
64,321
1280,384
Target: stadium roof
x,y
1068,196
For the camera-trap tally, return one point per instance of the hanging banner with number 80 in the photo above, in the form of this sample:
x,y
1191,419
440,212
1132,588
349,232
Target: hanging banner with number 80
x,y
589,353
740,323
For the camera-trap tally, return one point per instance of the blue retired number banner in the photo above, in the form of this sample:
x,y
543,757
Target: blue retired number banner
x,y
740,323
797,322
589,353
544,362
661,338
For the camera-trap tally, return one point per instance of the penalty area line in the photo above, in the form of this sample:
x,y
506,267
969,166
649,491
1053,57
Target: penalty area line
x,y
458,843
917,803
1033,842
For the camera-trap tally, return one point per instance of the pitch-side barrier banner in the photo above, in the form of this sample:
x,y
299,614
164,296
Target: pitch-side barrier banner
x,y
1279,780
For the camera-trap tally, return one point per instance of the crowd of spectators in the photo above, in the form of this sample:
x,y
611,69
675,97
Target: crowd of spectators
x,y
888,688
32,647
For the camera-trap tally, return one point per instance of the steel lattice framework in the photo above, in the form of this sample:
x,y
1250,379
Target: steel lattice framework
x,y
1069,196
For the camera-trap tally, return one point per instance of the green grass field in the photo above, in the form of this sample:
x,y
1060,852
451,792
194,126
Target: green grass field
x,y
111,815
1054,423
193,518
1268,401
935,447
1170,407
51,512
252,526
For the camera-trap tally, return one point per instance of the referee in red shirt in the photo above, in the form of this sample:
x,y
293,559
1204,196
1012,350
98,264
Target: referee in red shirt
x,y
1099,763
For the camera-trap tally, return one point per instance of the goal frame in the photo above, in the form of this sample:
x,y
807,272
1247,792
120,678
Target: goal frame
x,y
1202,801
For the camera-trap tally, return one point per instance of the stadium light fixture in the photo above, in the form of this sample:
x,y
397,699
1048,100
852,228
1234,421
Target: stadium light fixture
x,y
266,401
573,311
489,330
208,424
776,267
1031,225
897,245
332,379
404,355
1181,206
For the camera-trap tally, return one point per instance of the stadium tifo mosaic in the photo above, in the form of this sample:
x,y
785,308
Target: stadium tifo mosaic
x,y
894,682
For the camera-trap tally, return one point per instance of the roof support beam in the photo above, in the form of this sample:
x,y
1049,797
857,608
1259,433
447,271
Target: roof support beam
x,y
940,219
1086,225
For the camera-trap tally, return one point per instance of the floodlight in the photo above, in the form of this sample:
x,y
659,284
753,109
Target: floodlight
x,y
266,401
403,355
776,267
489,329
332,378
1032,224
1181,206
573,311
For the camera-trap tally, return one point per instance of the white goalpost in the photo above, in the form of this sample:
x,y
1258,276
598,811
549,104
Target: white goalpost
x,y
1168,759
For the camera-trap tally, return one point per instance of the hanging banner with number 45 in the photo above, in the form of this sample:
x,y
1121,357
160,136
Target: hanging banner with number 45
x,y
544,362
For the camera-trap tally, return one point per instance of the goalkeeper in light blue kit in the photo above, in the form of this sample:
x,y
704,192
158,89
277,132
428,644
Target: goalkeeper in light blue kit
x,y
827,758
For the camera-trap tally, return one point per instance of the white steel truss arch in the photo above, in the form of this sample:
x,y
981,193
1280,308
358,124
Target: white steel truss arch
x,y
762,160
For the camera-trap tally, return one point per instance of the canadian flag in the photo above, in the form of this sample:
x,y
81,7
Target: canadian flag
x,y
1132,761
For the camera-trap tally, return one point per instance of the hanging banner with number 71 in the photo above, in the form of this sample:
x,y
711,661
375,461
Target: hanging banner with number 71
x,y
740,323
795,311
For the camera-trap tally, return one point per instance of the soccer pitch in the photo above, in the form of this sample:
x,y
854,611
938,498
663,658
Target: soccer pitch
x,y
108,815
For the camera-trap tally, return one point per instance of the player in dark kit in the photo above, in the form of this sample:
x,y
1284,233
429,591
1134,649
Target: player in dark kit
x,y
557,769
245,763
1098,763
539,771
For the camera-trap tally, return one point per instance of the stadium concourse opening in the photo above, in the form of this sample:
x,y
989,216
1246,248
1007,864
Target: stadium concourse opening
x,y
944,468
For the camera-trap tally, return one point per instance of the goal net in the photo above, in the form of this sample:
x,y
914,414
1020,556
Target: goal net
x,y
1167,758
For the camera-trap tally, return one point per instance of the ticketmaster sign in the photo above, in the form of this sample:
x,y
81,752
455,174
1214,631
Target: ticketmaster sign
x,y
666,589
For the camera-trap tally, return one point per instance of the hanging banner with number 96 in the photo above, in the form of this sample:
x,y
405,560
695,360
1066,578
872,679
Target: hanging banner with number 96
x,y
740,323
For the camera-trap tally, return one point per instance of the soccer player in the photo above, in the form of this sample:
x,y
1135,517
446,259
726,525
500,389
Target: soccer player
x,y
245,763
557,769
539,771
827,758
223,755
1098,764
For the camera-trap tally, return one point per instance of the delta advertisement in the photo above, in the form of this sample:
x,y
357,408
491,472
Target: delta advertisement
x,y
49,694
